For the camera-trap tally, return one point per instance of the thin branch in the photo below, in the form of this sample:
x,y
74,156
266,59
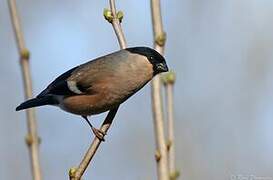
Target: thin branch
x,y
159,42
169,80
115,19
116,23
32,139
76,173
169,95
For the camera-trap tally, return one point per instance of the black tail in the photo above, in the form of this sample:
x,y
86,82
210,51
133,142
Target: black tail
x,y
45,100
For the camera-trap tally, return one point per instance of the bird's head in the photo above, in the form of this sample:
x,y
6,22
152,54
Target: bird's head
x,y
155,58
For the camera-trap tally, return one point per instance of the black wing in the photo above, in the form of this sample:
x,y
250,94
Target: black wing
x,y
59,85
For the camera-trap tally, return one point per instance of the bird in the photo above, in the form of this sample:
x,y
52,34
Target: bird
x,y
101,84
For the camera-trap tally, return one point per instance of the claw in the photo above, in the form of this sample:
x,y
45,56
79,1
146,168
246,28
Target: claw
x,y
98,133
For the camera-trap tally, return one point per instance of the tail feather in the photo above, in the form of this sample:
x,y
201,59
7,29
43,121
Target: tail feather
x,y
45,100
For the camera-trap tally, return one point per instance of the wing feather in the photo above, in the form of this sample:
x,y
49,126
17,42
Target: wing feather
x,y
59,86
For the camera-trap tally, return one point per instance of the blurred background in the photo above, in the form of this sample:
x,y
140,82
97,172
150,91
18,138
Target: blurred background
x,y
221,51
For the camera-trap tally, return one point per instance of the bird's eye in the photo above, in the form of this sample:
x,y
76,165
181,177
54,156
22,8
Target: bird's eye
x,y
151,58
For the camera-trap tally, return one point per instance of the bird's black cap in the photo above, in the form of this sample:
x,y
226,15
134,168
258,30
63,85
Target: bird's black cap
x,y
154,57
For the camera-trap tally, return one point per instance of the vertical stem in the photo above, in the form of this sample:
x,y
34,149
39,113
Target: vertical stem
x,y
77,173
32,139
171,144
161,149
159,41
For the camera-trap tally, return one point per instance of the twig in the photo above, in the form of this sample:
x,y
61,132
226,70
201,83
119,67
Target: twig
x,y
76,173
159,42
32,139
168,81
115,19
169,95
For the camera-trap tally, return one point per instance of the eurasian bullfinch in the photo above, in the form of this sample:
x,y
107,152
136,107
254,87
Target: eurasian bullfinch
x,y
101,84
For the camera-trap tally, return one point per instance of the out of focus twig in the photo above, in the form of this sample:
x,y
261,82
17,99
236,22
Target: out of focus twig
x,y
32,139
161,148
115,19
168,81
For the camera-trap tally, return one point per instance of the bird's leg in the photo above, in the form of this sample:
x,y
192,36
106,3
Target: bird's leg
x,y
98,133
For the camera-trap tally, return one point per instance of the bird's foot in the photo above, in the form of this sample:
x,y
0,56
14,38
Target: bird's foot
x,y
98,133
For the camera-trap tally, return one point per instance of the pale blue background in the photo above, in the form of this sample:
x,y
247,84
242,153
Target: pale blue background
x,y
222,52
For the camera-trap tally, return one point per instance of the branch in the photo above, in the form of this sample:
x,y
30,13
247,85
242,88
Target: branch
x,y
76,173
159,42
32,139
115,19
168,81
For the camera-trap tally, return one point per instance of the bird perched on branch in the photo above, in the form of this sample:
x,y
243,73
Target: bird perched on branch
x,y
101,84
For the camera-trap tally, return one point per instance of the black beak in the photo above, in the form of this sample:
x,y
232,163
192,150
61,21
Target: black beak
x,y
162,67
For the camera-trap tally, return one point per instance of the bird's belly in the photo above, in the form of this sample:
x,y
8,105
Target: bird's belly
x,y
92,104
